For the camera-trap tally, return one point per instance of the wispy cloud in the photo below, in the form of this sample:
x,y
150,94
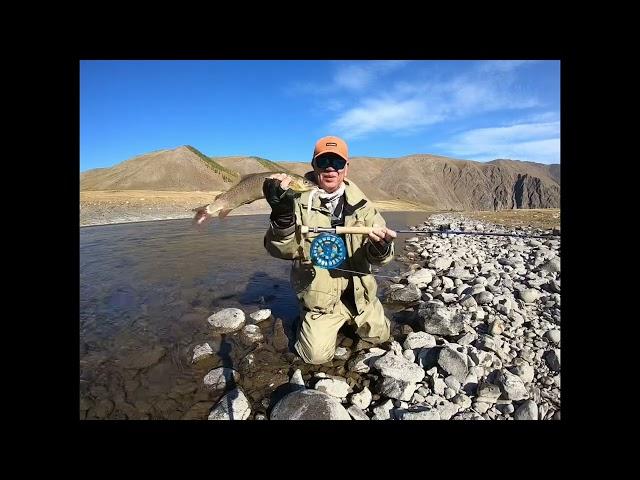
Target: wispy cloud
x,y
412,105
537,142
349,77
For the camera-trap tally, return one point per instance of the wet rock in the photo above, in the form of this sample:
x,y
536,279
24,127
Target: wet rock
x,y
198,411
309,405
279,337
201,351
233,406
103,408
139,359
227,320
527,411
394,366
260,315
221,378
252,334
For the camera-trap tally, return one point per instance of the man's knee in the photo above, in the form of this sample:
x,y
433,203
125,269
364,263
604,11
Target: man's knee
x,y
313,355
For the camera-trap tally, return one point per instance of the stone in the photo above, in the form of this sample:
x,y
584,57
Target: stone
x,y
309,405
512,386
454,363
362,399
394,366
334,387
260,315
356,413
201,351
419,340
233,406
392,388
227,320
221,378
527,411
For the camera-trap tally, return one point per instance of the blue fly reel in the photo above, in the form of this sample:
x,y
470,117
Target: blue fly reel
x,y
328,251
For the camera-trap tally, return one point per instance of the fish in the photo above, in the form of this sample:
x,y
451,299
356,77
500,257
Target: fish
x,y
247,190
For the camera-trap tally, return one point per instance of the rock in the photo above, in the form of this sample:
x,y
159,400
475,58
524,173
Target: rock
x,y
334,387
529,295
459,273
260,315
356,413
409,355
362,399
409,294
467,338
221,378
446,409
392,388
496,327
488,393
527,411
342,353
362,363
524,371
201,351
440,320
394,366
438,386
553,336
442,263
309,405
297,381
139,359
419,340
420,277
449,393
453,382
227,320
279,338
252,334
383,411
454,363
552,357
447,282
462,401
512,386
233,406
484,298
468,301
552,265
467,416
418,413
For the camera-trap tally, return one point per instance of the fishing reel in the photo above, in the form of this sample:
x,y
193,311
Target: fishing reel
x,y
328,251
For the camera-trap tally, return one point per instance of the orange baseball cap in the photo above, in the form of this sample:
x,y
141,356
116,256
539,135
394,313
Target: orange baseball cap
x,y
331,144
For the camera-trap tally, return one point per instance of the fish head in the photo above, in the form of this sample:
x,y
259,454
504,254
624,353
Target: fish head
x,y
301,185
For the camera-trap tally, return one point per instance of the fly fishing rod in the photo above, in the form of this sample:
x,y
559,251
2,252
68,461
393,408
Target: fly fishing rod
x,y
328,250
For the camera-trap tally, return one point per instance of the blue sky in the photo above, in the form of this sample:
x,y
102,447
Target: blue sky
x,y
277,109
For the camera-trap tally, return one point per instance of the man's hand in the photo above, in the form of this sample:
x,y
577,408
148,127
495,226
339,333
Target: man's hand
x,y
382,235
280,197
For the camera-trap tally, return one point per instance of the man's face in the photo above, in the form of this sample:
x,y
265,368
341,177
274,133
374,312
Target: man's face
x,y
329,177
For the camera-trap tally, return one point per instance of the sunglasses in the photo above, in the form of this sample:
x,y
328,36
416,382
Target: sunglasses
x,y
336,162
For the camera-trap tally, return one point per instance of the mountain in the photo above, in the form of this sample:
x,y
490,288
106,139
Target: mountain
x,y
183,169
437,181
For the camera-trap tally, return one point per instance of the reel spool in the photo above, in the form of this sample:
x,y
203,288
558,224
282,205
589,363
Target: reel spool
x,y
328,251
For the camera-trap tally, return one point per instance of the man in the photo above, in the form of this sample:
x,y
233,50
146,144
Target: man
x,y
329,298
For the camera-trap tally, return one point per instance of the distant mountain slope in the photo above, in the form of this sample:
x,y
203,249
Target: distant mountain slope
x,y
432,180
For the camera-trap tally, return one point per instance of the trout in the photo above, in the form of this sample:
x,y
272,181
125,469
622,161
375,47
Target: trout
x,y
247,190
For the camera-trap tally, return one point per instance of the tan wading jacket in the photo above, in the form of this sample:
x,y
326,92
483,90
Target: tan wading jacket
x,y
317,288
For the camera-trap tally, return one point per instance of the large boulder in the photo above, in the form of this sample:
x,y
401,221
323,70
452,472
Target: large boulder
x,y
309,405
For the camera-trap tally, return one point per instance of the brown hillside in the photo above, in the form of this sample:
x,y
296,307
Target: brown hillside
x,y
179,169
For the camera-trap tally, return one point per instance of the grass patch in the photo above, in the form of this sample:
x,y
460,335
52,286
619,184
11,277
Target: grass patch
x,y
228,176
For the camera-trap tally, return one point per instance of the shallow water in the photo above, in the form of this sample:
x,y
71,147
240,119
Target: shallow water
x,y
146,290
